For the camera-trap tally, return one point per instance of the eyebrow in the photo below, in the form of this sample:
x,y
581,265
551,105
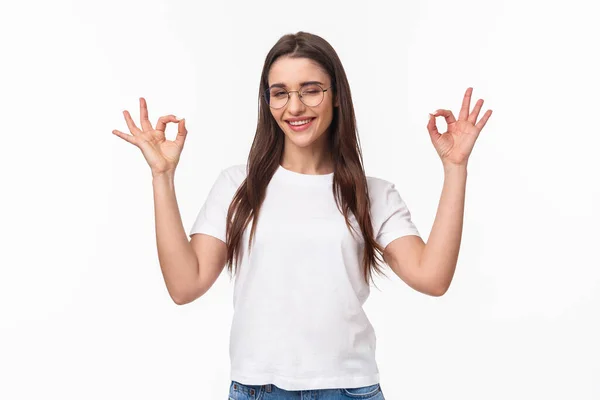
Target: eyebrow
x,y
282,85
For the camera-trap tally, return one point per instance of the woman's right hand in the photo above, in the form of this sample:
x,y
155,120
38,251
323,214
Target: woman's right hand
x,y
161,154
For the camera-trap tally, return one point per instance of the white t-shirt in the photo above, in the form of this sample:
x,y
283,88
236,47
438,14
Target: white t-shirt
x,y
298,319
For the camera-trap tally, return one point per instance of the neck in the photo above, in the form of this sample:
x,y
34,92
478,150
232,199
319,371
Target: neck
x,y
314,160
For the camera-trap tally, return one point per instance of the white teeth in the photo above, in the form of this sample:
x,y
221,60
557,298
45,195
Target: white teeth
x,y
306,121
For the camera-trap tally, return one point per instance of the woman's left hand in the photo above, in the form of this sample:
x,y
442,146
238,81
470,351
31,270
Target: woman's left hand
x,y
455,145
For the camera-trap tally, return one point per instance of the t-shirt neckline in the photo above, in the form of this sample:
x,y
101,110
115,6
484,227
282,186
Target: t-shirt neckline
x,y
305,179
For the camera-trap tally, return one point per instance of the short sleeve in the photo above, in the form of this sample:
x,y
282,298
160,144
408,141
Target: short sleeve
x,y
391,215
212,217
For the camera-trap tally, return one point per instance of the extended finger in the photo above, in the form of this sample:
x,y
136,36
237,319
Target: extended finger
x,y
466,105
161,125
124,136
483,120
181,133
130,124
146,125
475,113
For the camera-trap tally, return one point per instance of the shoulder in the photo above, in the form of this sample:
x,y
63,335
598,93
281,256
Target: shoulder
x,y
379,187
234,173
377,182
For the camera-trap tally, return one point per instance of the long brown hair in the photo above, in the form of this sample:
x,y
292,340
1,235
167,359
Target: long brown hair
x,y
349,180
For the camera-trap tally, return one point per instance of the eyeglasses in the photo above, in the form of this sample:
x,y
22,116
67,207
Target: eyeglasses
x,y
311,95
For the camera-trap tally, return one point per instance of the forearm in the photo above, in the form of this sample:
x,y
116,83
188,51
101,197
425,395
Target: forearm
x,y
178,261
440,255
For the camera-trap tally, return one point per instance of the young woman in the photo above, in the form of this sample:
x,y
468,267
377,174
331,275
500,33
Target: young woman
x,y
305,228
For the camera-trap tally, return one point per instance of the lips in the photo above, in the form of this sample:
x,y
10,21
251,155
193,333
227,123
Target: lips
x,y
299,119
299,128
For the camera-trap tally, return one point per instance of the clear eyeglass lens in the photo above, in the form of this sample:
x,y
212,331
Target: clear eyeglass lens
x,y
310,95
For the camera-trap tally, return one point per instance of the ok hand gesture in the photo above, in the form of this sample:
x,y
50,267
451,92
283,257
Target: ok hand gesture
x,y
161,154
455,145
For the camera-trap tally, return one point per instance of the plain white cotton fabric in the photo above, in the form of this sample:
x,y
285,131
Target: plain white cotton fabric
x,y
298,297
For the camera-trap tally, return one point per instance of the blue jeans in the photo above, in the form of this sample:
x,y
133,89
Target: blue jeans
x,y
239,391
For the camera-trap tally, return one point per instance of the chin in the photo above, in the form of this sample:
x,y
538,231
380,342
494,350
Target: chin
x,y
302,141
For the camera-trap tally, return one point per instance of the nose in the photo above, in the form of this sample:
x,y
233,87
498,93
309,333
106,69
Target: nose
x,y
294,103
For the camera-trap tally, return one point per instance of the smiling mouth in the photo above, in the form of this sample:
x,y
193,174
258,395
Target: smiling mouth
x,y
301,122
301,128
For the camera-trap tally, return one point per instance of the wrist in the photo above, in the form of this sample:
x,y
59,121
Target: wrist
x,y
166,176
455,168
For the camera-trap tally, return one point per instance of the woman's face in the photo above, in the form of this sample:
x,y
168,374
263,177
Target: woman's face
x,y
291,72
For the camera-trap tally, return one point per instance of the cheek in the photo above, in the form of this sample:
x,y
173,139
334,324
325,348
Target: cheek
x,y
277,117
326,115
326,109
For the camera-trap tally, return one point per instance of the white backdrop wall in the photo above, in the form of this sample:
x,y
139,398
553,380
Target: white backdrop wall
x,y
84,310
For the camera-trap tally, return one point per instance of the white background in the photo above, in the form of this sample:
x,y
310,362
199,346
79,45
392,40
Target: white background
x,y
84,310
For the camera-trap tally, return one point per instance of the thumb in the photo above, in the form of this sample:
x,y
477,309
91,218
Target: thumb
x,y
434,134
181,133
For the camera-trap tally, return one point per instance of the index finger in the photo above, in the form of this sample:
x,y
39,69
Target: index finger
x,y
130,124
161,125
